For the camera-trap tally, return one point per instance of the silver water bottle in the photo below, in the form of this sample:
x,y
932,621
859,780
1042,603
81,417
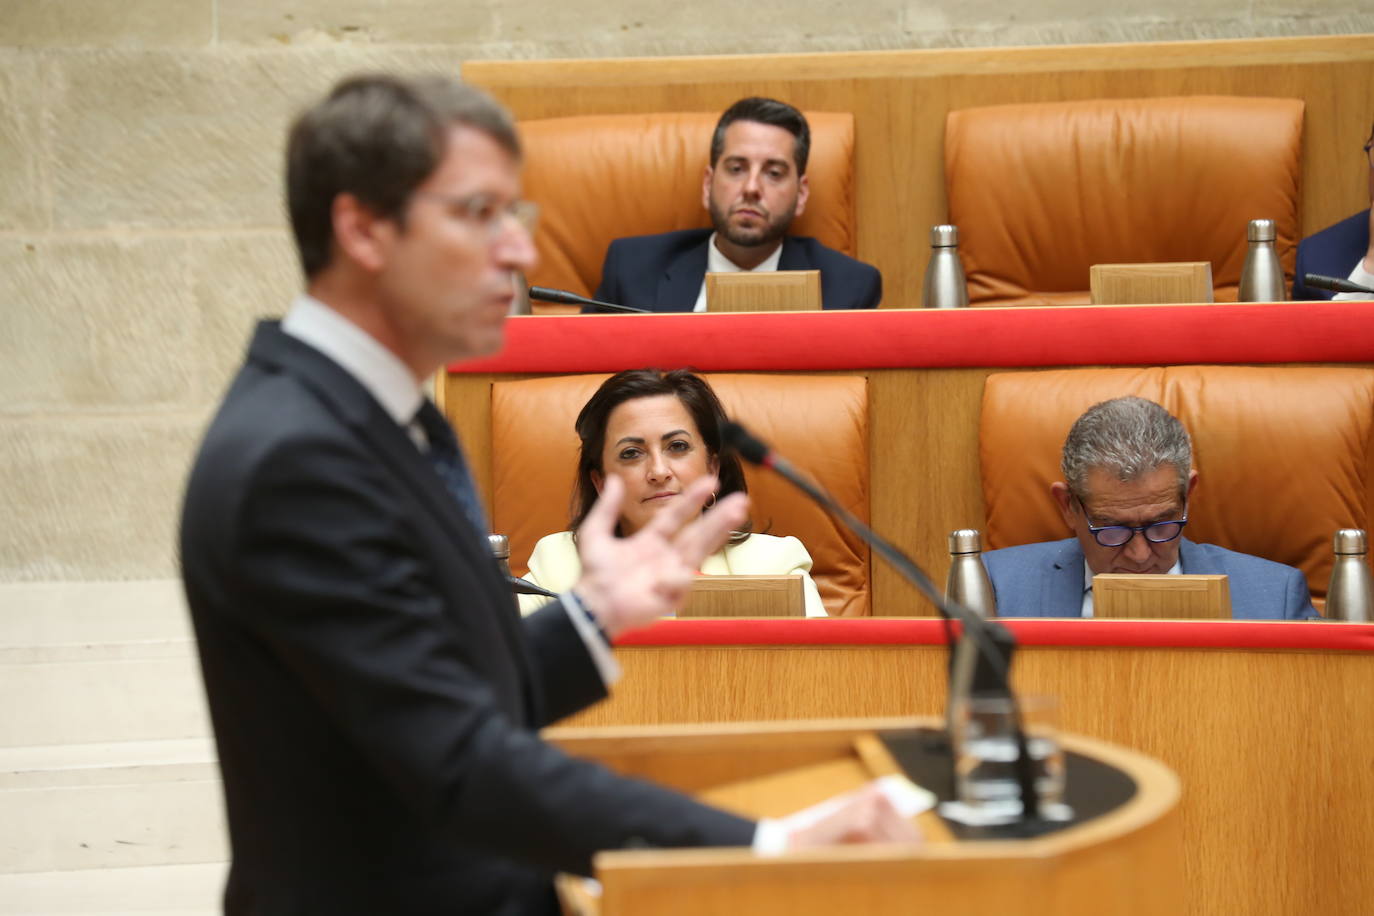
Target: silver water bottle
x,y
968,582
1261,279
969,586
945,286
1350,596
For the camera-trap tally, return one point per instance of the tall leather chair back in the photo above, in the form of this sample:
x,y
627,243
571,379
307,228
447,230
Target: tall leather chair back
x,y
1041,192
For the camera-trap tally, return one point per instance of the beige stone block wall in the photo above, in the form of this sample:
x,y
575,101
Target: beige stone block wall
x,y
23,180
141,224
178,140
539,28
107,23
95,325
142,234
92,496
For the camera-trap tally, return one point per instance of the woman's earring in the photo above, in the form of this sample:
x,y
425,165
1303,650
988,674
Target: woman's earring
x,y
710,502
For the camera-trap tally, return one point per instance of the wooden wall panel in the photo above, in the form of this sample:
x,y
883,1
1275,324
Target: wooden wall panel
x,y
924,452
900,98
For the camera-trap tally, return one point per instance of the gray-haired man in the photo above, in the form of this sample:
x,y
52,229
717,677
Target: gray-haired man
x,y
1128,476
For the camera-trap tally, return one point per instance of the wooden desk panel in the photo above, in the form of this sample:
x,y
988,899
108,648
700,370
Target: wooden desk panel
x,y
1273,748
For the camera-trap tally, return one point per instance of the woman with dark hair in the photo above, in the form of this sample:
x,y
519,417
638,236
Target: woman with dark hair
x,y
659,431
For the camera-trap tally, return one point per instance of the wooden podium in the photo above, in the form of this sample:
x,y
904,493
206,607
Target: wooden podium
x,y
1127,860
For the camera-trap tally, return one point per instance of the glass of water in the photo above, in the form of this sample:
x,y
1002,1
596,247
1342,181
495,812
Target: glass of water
x,y
985,758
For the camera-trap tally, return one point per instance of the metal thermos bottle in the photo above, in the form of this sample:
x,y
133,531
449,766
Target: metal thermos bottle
x,y
1261,279
945,287
1350,596
968,583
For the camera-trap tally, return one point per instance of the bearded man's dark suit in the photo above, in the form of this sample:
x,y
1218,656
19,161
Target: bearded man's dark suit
x,y
663,273
373,689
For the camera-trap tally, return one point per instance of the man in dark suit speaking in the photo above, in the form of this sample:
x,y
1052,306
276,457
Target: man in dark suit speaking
x,y
754,187
373,689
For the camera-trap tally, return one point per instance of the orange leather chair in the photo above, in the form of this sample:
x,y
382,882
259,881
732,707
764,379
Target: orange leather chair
x,y
534,463
598,178
1041,192
1285,456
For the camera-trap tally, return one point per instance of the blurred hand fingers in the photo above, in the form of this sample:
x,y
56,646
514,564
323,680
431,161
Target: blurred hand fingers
x,y
669,520
886,825
707,534
866,817
605,512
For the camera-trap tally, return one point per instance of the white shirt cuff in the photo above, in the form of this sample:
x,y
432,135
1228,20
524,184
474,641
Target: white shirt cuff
x,y
1361,276
770,837
601,654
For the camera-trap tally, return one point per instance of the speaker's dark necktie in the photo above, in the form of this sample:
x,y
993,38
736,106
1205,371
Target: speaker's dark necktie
x,y
447,458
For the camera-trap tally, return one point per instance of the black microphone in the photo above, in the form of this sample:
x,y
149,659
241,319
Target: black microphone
x,y
1336,284
987,673
525,587
563,297
499,545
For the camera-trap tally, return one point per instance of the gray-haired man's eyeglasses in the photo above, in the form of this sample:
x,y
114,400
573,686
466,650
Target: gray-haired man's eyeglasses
x,y
1120,535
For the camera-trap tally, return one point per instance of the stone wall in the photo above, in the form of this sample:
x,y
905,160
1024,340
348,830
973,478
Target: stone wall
x,y
141,228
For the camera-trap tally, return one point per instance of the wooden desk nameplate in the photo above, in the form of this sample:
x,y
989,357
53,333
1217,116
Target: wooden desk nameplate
x,y
1132,284
1187,597
746,596
769,291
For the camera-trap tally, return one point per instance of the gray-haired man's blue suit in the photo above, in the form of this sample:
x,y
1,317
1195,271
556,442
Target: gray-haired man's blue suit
x,y
1046,580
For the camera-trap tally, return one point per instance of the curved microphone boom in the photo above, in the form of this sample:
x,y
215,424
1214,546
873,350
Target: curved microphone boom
x,y
563,297
993,641
754,451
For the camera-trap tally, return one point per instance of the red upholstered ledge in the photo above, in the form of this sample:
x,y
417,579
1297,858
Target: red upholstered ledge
x,y
1153,335
923,631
